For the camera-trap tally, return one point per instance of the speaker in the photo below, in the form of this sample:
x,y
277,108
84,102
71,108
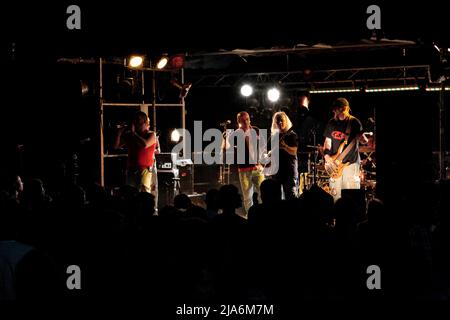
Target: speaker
x,y
167,187
186,175
166,161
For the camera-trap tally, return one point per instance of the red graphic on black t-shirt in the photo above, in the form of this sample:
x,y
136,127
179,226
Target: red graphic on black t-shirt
x,y
338,135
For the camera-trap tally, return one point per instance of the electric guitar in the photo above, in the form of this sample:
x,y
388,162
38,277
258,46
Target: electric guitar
x,y
336,167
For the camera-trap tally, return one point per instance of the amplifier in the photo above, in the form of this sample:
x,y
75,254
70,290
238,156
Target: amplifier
x,y
186,175
168,186
166,161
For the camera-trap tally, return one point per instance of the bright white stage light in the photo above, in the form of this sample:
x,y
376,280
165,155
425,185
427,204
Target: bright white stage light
x,y
273,94
175,135
135,61
162,62
246,90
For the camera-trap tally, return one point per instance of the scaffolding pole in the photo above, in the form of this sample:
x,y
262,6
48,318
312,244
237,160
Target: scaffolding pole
x,y
442,168
102,155
143,107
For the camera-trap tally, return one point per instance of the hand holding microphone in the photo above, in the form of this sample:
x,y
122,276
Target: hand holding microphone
x,y
121,127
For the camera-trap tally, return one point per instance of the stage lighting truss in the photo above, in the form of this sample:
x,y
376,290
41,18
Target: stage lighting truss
x,y
436,88
391,89
376,79
335,90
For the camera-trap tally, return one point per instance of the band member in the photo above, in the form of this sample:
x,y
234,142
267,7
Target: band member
x,y
141,144
250,171
308,130
287,173
343,134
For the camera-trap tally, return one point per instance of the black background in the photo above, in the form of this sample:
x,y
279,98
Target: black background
x,y
44,110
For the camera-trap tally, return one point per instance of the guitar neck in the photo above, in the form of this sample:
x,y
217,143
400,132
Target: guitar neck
x,y
346,150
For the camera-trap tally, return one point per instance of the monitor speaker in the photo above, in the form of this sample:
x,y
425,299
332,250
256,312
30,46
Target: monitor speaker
x,y
186,175
165,161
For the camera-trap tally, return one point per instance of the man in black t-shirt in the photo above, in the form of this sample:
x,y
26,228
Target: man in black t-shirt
x,y
343,130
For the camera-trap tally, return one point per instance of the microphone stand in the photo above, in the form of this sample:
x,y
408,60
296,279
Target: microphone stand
x,y
224,173
314,133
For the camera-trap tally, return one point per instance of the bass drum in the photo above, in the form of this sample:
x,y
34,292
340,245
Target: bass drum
x,y
321,173
324,185
367,179
368,183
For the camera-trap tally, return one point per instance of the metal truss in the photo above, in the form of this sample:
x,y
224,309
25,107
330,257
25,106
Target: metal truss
x,y
351,77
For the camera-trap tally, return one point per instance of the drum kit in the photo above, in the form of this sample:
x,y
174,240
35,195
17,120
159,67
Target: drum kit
x,y
317,174
368,166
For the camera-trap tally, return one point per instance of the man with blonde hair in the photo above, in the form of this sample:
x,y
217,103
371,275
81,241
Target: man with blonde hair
x,y
287,173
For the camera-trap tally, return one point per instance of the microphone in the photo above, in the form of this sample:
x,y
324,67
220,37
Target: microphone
x,y
225,123
121,125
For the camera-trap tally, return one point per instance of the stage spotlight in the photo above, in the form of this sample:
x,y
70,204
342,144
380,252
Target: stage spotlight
x,y
135,61
273,94
175,135
184,91
162,62
246,90
184,88
177,61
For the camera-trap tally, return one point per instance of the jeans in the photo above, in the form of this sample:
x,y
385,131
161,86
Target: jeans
x,y
349,180
290,188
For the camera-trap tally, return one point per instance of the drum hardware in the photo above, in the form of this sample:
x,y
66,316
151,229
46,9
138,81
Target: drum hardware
x,y
316,172
319,176
315,154
224,169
